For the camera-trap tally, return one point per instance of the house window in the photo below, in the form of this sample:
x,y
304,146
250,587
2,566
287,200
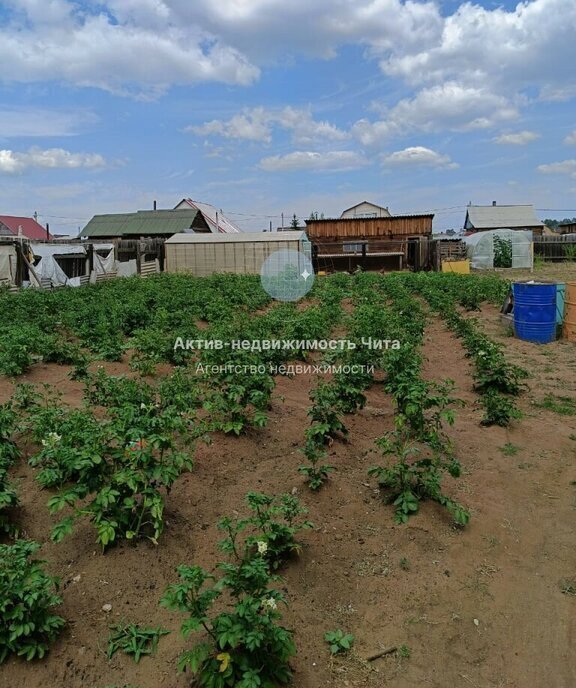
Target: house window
x,y
349,247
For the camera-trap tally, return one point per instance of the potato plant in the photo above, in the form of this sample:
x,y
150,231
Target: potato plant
x,y
8,454
114,470
243,644
27,598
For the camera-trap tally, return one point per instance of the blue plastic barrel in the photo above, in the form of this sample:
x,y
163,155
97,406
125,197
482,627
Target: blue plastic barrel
x,y
535,311
560,296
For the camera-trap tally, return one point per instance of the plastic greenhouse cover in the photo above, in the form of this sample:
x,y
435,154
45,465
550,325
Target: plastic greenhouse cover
x,y
480,248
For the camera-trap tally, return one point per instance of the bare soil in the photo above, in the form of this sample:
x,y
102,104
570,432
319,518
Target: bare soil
x,y
480,607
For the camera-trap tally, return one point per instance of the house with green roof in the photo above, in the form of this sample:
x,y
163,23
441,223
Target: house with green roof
x,y
143,224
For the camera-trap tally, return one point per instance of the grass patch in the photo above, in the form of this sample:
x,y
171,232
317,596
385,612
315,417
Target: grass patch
x,y
509,449
565,406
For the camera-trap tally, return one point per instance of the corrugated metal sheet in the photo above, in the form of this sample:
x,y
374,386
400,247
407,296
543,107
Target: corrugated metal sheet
x,y
217,221
243,253
383,227
236,238
30,228
144,223
501,217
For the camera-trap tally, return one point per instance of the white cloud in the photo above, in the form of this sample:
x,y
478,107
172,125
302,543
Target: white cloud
x,y
564,167
469,69
504,51
126,48
450,106
520,138
256,124
418,156
251,125
268,29
333,161
12,162
496,48
570,140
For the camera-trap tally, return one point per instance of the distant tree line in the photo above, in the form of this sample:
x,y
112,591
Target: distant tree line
x,y
553,224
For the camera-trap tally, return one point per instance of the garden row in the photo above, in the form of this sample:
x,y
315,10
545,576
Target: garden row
x,y
113,461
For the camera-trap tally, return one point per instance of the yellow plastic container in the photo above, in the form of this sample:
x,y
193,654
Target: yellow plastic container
x,y
462,267
569,329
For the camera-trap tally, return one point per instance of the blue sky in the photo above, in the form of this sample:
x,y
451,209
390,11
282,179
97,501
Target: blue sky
x,y
263,107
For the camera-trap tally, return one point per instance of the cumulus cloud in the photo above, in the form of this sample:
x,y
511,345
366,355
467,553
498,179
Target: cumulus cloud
x,y
332,161
493,55
494,48
12,162
128,48
564,167
252,125
256,124
520,138
570,140
450,106
418,156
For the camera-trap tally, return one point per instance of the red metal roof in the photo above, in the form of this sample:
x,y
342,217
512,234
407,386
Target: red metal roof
x,y
30,228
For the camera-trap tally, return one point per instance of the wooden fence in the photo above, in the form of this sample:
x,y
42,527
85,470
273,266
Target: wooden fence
x,y
555,248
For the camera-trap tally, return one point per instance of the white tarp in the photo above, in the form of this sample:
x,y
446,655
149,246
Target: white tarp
x,y
47,267
127,268
480,247
8,263
104,264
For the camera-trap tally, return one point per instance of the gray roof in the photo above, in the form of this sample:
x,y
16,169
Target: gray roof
x,y
216,220
500,216
236,238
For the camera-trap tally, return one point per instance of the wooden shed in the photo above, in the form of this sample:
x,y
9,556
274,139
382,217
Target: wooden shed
x,y
205,254
372,243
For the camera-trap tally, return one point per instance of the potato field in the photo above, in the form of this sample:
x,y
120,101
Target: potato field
x,y
374,486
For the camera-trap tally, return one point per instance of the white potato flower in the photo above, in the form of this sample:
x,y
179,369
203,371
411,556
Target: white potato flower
x,y
269,603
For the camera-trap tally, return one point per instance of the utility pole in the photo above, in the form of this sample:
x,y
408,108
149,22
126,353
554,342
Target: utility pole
x,y
282,221
47,232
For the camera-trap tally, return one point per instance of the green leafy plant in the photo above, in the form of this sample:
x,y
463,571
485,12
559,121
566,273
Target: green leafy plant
x,y
243,645
404,652
8,454
325,414
509,449
499,409
502,252
275,521
563,405
412,475
338,641
119,482
135,641
316,473
27,596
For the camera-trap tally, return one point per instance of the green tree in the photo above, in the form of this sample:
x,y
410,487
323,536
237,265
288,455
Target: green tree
x,y
294,222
